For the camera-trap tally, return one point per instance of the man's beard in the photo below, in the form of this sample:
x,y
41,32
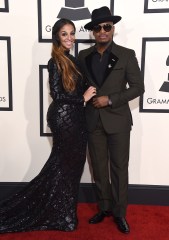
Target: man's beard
x,y
103,43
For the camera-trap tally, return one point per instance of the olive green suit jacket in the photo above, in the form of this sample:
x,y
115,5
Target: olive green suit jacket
x,y
122,83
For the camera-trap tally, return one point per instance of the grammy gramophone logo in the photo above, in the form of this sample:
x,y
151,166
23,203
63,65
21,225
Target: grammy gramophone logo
x,y
74,10
165,85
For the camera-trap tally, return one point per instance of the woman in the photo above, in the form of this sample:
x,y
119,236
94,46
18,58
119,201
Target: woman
x,y
49,202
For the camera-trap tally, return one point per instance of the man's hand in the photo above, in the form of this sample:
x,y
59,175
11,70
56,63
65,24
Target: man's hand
x,y
102,101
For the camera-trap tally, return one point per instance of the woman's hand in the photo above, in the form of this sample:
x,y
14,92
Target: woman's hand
x,y
89,93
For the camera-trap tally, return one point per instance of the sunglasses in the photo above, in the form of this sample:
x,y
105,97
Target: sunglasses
x,y
106,27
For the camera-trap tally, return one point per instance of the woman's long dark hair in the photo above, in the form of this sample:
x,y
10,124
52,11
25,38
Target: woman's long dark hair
x,y
65,66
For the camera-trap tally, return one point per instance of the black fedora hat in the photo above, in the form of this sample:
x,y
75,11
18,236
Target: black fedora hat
x,y
101,15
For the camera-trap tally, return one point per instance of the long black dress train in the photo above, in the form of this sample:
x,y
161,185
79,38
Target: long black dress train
x,y
49,201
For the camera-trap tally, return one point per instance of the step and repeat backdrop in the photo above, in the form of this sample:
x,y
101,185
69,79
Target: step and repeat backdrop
x,y
25,48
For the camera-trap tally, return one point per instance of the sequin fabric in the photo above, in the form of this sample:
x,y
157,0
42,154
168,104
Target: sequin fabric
x,y
49,201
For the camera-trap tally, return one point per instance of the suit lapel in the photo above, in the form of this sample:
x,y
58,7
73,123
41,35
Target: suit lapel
x,y
113,59
111,64
89,67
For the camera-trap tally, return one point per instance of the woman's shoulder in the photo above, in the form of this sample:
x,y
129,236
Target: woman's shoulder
x,y
51,64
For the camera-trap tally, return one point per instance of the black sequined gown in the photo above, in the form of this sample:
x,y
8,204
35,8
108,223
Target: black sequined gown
x,y
49,201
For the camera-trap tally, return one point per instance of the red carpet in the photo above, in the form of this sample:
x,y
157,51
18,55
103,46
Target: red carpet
x,y
146,223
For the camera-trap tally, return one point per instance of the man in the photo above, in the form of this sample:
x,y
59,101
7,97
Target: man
x,y
115,73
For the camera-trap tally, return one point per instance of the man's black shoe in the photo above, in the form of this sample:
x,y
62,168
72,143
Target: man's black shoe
x,y
122,224
99,217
